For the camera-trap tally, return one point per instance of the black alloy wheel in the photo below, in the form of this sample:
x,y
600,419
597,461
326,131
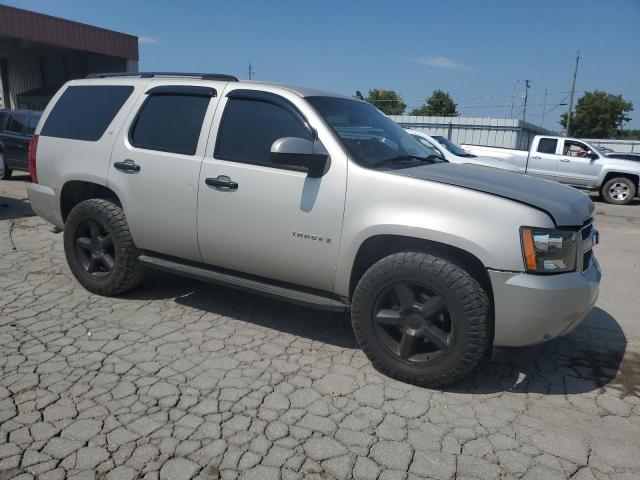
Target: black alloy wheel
x,y
421,318
100,249
412,322
95,249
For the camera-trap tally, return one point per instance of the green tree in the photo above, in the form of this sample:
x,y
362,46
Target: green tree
x,y
629,134
598,115
439,104
388,101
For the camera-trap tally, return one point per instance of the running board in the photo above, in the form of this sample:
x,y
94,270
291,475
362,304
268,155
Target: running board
x,y
299,297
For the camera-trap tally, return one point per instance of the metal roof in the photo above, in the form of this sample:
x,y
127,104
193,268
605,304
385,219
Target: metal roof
x,y
59,32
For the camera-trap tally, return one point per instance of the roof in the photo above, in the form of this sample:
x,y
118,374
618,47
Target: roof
x,y
59,32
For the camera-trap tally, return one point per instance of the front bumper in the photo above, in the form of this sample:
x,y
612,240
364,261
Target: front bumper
x,y
530,309
45,203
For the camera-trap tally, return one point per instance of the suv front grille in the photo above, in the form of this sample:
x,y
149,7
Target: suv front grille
x,y
587,243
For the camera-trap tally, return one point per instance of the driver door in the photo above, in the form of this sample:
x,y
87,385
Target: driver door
x,y
269,220
577,169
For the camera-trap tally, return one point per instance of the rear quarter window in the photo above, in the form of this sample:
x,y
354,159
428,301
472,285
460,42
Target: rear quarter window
x,y
84,112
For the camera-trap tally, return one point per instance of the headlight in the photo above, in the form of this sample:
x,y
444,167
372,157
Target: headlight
x,y
548,251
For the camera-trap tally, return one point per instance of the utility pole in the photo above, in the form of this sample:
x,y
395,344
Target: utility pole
x,y
573,91
526,96
544,107
513,97
251,71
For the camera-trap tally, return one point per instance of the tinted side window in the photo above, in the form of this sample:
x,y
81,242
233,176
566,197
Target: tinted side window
x,y
547,145
249,128
3,119
17,123
85,112
170,123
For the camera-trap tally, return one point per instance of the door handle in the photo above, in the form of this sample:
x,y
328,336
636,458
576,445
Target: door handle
x,y
565,160
222,182
128,166
536,158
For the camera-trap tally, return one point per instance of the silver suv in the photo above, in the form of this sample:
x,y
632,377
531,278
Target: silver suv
x,y
317,199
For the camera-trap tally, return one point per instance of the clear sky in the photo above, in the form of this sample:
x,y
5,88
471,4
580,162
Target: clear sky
x,y
469,48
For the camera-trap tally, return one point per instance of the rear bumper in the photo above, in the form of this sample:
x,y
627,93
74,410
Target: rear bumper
x,y
530,309
44,201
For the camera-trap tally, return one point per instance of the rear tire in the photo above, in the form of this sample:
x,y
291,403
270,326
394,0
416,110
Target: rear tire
x,y
421,319
99,248
618,191
7,171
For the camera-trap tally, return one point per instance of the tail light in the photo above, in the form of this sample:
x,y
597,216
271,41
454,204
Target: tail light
x,y
33,148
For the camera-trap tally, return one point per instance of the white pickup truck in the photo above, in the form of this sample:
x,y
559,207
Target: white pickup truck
x,y
573,162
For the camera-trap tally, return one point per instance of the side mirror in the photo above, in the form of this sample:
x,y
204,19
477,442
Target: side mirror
x,y
299,152
593,156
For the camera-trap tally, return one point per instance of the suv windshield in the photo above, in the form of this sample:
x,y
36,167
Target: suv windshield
x,y
372,139
452,147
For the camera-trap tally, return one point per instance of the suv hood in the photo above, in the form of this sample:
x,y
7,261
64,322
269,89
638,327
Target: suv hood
x,y
567,206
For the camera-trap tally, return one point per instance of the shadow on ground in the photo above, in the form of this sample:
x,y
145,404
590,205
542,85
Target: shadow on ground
x,y
13,208
326,327
589,358
596,198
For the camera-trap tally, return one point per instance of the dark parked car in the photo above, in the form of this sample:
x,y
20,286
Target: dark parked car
x,y
16,130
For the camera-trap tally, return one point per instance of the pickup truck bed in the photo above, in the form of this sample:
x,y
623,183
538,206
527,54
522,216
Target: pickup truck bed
x,y
515,157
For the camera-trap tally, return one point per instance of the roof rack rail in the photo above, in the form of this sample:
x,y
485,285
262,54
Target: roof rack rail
x,y
204,76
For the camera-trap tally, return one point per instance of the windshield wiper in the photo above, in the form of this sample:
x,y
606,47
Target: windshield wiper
x,y
402,158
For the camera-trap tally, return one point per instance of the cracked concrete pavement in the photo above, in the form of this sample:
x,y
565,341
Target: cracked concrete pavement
x,y
182,379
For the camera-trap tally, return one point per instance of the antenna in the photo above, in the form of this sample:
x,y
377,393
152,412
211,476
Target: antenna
x,y
251,71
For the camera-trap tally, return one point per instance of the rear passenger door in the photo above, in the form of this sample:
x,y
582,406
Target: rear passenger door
x,y
543,160
16,141
156,162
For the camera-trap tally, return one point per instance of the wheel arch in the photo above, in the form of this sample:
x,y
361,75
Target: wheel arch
x,y
635,178
76,191
377,247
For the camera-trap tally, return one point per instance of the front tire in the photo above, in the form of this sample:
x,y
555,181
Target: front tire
x,y
618,191
99,248
421,319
